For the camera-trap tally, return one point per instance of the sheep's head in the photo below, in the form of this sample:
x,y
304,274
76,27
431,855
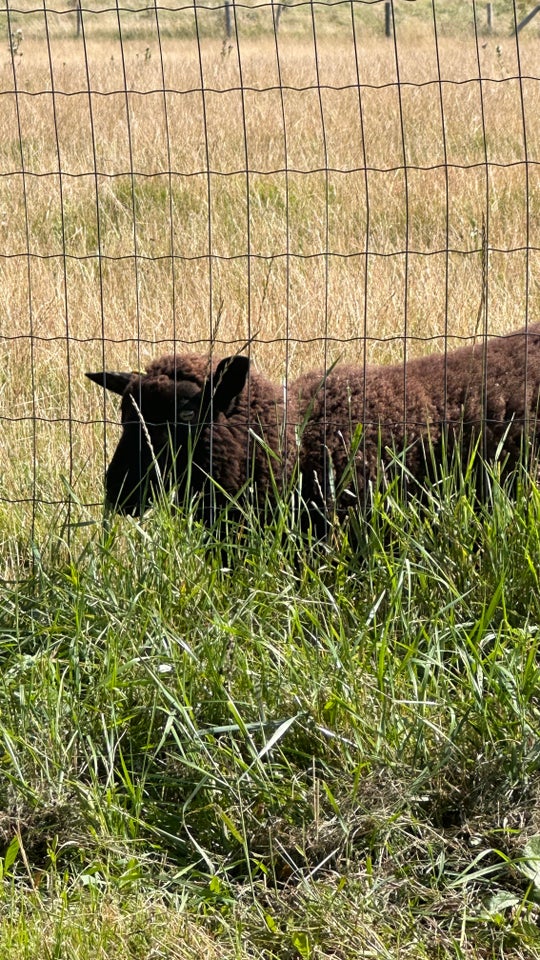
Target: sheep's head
x,y
164,418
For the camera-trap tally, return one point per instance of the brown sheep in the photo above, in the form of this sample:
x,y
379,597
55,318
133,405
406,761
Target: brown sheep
x,y
423,410
188,419
203,419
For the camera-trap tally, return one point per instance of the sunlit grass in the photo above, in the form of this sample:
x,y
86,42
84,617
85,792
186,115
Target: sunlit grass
x,y
281,742
241,744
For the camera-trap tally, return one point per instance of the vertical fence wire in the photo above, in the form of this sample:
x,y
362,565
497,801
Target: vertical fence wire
x,y
363,149
94,175
26,270
209,194
327,478
245,173
69,372
527,186
444,145
406,251
269,203
486,224
285,165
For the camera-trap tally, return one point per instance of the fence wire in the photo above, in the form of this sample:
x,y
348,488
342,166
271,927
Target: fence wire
x,y
322,181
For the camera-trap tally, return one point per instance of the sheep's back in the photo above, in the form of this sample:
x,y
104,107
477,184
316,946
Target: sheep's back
x,y
365,411
235,447
490,387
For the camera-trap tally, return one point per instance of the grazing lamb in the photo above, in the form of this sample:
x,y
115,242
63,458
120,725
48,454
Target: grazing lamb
x,y
429,406
201,419
188,418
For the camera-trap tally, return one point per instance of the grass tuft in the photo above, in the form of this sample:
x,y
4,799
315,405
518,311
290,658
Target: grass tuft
x,y
288,738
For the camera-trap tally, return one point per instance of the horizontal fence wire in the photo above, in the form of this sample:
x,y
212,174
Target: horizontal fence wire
x,y
315,182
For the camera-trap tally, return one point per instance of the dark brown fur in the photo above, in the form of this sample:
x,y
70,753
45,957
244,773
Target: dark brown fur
x,y
422,410
425,407
229,411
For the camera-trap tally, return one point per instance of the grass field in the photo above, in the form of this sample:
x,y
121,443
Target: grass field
x,y
285,752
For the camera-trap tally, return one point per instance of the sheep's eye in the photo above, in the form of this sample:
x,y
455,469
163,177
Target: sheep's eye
x,y
185,415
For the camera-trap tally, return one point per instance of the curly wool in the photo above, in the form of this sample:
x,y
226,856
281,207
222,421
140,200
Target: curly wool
x,y
192,367
250,444
344,428
423,409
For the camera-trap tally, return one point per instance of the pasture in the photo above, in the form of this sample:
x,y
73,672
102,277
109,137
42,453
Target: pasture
x,y
272,750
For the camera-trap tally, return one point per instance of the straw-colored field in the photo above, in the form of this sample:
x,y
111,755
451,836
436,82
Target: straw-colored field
x,y
307,202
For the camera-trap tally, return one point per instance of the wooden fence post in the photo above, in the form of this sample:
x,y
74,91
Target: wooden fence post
x,y
529,17
76,6
388,19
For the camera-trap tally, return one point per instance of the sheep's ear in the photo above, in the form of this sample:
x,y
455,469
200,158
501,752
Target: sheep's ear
x,y
229,380
109,380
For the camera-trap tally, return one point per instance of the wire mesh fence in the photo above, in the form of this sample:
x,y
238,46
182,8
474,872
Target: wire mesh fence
x,y
321,181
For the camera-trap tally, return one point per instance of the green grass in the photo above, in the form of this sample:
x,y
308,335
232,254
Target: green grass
x,y
268,751
276,750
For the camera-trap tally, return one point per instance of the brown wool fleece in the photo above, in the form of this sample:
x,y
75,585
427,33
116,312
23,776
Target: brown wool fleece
x,y
429,404
422,409
229,449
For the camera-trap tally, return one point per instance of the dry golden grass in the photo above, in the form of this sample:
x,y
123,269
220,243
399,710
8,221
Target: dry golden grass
x,y
147,220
